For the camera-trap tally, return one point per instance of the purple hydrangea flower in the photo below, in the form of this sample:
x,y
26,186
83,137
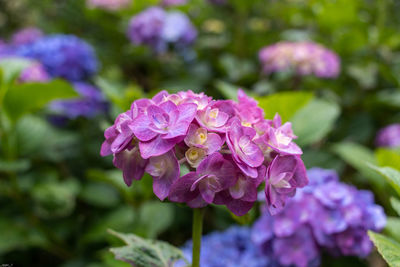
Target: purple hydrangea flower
x,y
111,5
26,36
157,29
64,56
325,215
230,248
34,73
168,3
389,136
215,140
91,103
304,58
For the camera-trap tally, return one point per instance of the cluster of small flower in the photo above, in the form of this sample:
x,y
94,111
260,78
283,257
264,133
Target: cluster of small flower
x,y
59,56
229,248
168,3
304,58
389,136
229,148
111,5
157,28
324,215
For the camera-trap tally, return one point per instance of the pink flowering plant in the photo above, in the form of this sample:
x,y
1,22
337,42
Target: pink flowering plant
x,y
227,148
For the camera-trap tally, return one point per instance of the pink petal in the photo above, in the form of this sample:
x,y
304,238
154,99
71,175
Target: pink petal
x,y
141,130
180,189
131,164
214,143
239,207
157,146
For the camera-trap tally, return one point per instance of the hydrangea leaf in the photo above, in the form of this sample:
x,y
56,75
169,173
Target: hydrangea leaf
x,y
286,104
387,247
358,157
314,121
391,175
11,68
392,228
387,157
395,204
141,252
22,99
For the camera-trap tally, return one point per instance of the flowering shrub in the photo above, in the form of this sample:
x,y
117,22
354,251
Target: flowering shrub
x,y
232,247
26,36
64,56
229,148
325,215
304,58
389,136
34,73
109,4
91,103
156,28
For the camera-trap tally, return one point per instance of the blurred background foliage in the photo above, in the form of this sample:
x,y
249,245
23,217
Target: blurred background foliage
x,y
58,196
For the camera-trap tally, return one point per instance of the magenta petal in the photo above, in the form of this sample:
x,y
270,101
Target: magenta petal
x,y
165,170
239,207
131,164
197,202
187,112
156,147
168,106
178,129
300,174
206,193
158,98
180,189
214,143
141,130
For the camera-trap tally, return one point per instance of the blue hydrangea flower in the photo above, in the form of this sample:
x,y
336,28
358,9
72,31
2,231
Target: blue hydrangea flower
x,y
91,103
230,248
325,215
64,56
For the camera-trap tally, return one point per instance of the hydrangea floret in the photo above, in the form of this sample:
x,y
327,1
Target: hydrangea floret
x,y
326,215
219,142
303,58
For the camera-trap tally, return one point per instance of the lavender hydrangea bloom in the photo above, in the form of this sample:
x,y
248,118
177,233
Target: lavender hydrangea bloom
x,y
325,215
111,5
26,36
389,136
215,140
91,103
304,58
230,248
173,2
157,29
64,56
34,73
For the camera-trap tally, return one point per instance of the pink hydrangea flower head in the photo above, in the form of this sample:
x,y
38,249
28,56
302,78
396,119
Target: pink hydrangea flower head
x,y
304,58
226,146
111,5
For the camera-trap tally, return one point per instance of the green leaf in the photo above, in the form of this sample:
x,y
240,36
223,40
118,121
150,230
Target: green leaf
x,y
155,217
229,91
392,228
395,204
391,175
314,121
141,252
15,166
359,157
25,98
286,104
388,248
121,219
93,193
389,158
11,68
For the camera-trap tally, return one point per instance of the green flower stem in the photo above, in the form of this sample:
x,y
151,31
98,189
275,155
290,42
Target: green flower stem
x,y
198,215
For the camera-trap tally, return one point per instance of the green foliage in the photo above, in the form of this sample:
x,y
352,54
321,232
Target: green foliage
x,y
22,99
11,68
285,104
314,121
141,252
391,175
387,247
390,158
